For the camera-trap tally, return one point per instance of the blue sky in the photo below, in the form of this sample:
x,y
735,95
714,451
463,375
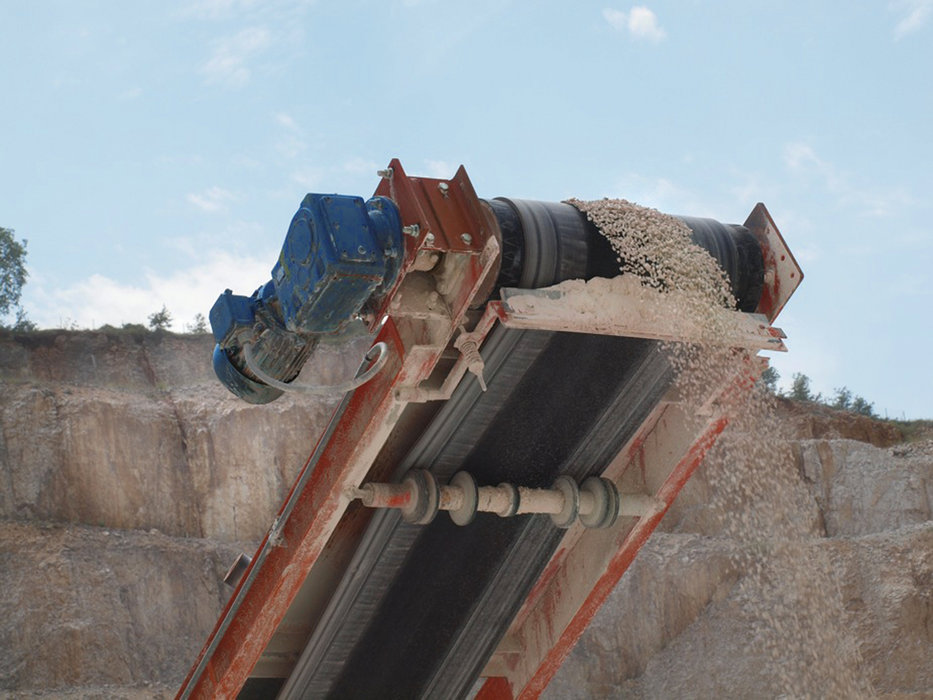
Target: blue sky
x,y
153,152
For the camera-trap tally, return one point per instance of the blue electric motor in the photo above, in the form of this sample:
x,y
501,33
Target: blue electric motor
x,y
341,255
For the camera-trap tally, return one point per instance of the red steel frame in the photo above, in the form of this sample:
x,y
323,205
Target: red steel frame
x,y
297,538
451,220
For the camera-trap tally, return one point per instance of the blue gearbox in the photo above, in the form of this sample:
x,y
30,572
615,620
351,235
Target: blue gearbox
x,y
340,254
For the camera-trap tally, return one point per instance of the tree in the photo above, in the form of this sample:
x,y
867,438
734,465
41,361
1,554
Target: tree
x,y
843,400
12,278
769,379
199,325
800,388
863,407
160,320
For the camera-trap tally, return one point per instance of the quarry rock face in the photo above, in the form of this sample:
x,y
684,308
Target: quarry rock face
x,y
865,491
131,479
134,432
86,607
825,590
798,560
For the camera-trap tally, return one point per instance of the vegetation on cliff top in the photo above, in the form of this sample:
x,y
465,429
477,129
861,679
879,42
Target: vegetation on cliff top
x,y
842,400
13,276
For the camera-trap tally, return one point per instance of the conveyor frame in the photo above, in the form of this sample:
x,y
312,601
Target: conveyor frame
x,y
314,534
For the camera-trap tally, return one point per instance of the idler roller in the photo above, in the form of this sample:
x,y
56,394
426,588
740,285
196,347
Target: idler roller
x,y
596,502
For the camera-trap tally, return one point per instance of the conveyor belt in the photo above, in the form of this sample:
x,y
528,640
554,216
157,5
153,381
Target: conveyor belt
x,y
455,590
341,601
421,608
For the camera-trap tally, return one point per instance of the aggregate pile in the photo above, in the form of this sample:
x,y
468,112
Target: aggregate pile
x,y
657,249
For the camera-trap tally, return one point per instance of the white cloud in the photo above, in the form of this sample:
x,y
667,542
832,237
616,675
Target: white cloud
x,y
616,18
800,155
290,143
917,12
290,146
352,172
912,285
310,177
806,253
801,159
361,166
212,199
751,187
867,200
286,120
244,10
639,22
882,201
229,63
98,300
183,160
643,23
664,195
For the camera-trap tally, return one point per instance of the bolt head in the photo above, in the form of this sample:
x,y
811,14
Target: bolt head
x,y
429,239
443,187
466,238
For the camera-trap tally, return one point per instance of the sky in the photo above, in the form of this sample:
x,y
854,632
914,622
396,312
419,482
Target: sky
x,y
153,153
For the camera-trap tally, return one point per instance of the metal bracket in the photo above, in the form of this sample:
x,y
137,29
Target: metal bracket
x,y
468,343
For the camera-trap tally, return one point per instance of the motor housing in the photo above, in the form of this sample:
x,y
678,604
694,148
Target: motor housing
x,y
340,254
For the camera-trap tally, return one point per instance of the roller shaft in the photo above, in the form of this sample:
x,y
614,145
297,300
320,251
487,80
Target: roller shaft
x,y
596,502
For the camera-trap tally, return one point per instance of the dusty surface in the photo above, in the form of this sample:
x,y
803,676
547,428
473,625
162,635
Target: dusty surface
x,y
798,561
792,565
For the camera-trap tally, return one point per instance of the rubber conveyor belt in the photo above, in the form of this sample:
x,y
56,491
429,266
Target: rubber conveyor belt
x,y
423,607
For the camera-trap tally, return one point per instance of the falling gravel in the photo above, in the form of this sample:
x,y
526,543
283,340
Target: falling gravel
x,y
796,622
657,248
